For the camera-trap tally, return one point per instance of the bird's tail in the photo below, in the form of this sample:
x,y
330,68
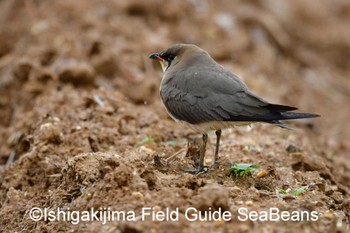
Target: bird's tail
x,y
296,115
290,116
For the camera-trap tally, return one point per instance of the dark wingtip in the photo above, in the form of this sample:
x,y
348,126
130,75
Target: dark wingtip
x,y
281,108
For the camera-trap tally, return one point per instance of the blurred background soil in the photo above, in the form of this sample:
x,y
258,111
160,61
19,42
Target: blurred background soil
x,y
82,126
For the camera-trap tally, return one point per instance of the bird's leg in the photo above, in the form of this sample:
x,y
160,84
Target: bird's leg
x,y
218,135
202,152
201,168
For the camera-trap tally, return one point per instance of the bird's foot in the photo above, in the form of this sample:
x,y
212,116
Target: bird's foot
x,y
216,163
198,170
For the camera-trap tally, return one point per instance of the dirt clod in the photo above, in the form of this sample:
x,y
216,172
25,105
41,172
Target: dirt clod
x,y
212,196
75,72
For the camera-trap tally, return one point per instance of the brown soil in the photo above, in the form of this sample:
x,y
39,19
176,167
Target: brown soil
x,y
82,125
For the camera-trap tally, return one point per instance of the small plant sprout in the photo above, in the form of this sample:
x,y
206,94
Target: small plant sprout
x,y
300,190
147,139
241,169
295,193
284,191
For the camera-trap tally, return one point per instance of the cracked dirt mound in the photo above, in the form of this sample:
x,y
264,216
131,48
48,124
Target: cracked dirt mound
x,y
82,126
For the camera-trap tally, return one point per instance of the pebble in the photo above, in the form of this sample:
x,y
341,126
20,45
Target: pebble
x,y
146,152
329,215
239,202
208,160
292,149
88,196
249,203
45,125
157,208
261,173
246,149
236,188
137,195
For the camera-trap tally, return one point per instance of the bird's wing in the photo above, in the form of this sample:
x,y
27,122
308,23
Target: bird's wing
x,y
204,96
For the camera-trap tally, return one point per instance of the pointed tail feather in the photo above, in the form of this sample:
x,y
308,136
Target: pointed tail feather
x,y
295,115
290,116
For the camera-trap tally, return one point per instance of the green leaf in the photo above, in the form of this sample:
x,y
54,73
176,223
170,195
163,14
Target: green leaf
x,y
284,191
147,139
242,169
299,190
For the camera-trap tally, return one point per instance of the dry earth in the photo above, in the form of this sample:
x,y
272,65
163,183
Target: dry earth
x,y
82,126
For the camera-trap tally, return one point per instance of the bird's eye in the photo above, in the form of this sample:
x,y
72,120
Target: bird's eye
x,y
171,57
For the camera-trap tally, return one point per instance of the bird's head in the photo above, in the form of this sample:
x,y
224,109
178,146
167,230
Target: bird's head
x,y
174,54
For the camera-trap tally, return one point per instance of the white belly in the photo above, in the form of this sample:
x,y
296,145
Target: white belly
x,y
214,125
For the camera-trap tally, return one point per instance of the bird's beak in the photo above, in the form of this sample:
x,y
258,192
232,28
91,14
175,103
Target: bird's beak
x,y
156,56
162,62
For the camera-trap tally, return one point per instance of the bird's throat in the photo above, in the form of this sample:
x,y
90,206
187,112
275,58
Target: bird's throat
x,y
164,65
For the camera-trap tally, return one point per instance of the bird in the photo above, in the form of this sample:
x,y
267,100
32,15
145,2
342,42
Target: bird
x,y
203,95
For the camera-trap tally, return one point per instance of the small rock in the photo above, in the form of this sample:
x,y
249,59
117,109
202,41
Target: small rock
x,y
246,149
262,173
337,197
328,190
208,160
249,203
137,195
292,149
89,196
45,125
334,187
157,208
236,188
329,215
56,119
239,202
146,153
